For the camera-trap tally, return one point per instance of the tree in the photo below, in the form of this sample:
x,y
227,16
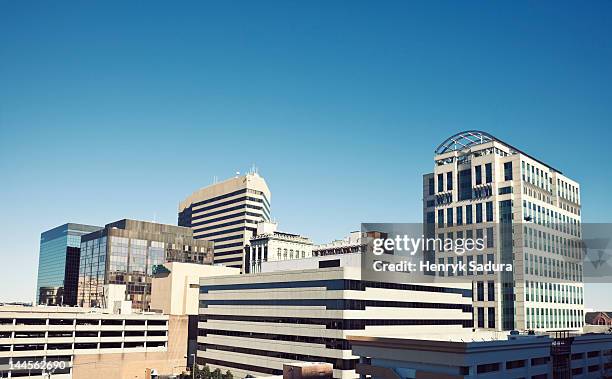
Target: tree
x,y
228,375
203,373
206,372
217,374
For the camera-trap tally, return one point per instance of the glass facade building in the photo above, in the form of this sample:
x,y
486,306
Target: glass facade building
x,y
127,251
58,263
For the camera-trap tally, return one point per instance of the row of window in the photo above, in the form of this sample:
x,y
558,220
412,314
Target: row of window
x,y
339,364
242,214
79,334
451,220
480,291
336,323
541,215
554,318
553,293
536,176
489,239
478,177
552,268
70,322
469,261
480,322
552,243
335,304
568,191
335,284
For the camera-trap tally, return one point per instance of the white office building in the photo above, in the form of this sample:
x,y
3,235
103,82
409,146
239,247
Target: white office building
x,y
227,213
529,214
304,309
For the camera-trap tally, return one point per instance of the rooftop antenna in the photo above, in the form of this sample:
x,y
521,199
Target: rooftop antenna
x,y
215,179
237,173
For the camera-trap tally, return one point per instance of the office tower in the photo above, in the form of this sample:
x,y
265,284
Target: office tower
x,y
58,264
528,213
304,309
271,245
127,252
227,213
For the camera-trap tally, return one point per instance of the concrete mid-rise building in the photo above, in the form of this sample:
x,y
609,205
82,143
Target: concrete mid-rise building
x,y
84,343
528,212
227,213
485,356
58,264
353,243
270,244
304,309
127,252
175,292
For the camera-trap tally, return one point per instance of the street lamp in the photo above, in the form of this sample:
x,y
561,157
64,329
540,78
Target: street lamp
x,y
192,364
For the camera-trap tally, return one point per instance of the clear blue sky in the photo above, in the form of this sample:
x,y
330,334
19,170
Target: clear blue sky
x,y
111,110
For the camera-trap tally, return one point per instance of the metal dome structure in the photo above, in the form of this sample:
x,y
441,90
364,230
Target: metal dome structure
x,y
470,138
464,139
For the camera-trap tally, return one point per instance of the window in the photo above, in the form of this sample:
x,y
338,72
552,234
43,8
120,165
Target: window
x,y
440,217
478,174
469,261
488,173
431,186
449,181
539,361
479,262
431,219
515,364
491,290
505,190
490,259
329,263
577,356
459,215
593,368
508,171
440,183
465,184
449,216
480,291
490,237
489,209
489,367
468,214
491,317
478,213
480,317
